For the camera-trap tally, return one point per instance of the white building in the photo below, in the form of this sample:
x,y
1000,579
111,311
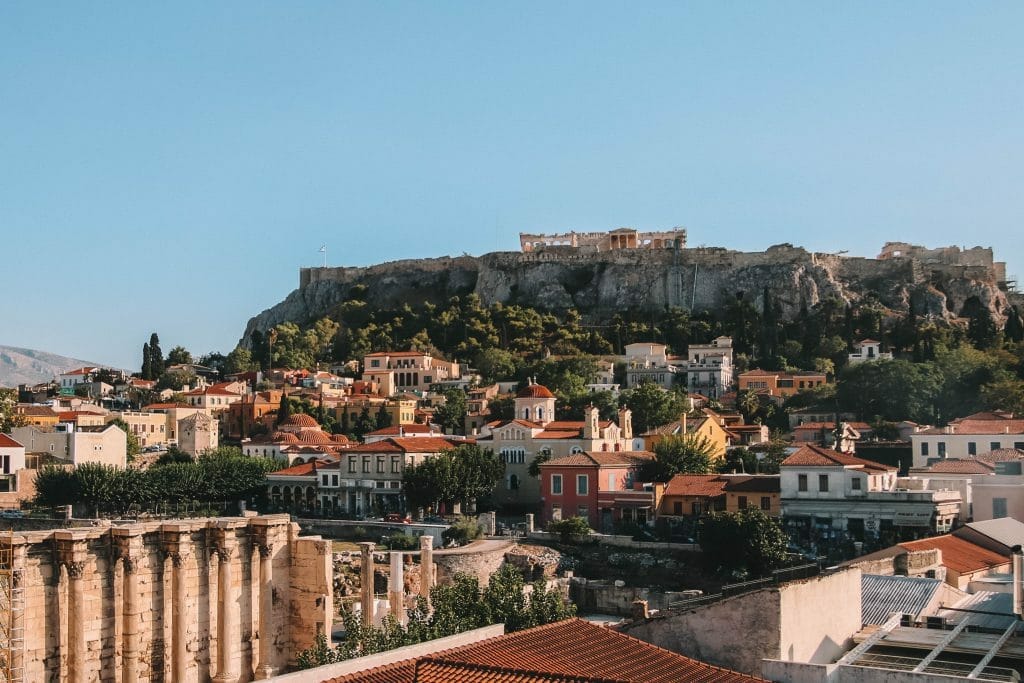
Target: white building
x,y
107,445
398,371
968,437
12,459
828,493
868,350
707,369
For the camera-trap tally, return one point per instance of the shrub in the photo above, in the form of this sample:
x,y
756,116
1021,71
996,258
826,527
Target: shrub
x,y
400,541
462,531
571,530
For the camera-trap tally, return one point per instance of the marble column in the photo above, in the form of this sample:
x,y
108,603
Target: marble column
x,y
396,588
227,611
71,553
366,582
179,613
265,669
131,611
426,566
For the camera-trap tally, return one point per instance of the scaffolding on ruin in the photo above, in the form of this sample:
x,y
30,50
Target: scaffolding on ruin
x,y
12,613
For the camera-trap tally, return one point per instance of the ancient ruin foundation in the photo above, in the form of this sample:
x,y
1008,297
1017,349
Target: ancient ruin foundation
x,y
229,599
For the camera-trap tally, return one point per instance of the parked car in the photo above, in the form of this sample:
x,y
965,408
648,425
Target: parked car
x,y
396,517
11,514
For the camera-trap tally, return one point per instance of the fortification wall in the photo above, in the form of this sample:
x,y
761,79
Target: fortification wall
x,y
169,601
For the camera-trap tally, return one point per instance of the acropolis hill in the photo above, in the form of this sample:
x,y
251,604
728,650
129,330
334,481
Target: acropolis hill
x,y
603,273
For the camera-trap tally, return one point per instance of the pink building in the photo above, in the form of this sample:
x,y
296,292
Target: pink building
x,y
596,485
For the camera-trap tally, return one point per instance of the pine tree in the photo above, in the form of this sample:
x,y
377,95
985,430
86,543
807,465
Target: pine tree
x,y
156,356
383,417
1014,329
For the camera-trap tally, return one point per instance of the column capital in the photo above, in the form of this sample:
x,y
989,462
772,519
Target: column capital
x,y
75,568
129,550
265,548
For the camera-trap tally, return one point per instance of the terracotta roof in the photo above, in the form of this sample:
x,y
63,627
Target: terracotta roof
x,y
36,411
212,391
600,459
1002,455
314,436
982,423
565,651
696,485
961,556
399,430
412,444
165,406
396,353
301,420
763,483
339,438
304,469
810,455
8,442
80,371
958,466
534,391
554,434
859,426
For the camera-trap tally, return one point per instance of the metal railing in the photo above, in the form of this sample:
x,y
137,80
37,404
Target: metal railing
x,y
777,577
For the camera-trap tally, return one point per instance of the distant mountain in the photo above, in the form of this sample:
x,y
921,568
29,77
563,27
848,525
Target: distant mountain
x,y
28,366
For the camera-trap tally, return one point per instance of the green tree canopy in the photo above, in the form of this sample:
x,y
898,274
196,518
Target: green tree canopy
x,y
652,406
679,454
746,540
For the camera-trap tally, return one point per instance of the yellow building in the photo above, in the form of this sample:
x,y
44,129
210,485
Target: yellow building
x,y
707,424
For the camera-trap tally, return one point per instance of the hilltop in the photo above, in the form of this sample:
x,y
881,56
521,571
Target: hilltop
x,y
598,284
29,366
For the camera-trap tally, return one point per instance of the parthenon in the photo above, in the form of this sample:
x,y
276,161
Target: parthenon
x,y
620,238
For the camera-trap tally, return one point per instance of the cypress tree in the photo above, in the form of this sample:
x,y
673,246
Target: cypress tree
x,y
147,363
284,411
156,356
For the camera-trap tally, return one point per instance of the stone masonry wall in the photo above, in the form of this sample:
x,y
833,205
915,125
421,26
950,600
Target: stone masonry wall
x,y
189,600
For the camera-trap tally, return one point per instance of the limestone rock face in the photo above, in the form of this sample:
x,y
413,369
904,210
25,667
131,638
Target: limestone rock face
x,y
601,284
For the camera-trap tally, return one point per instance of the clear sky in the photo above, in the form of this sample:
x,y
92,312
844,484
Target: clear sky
x,y
170,166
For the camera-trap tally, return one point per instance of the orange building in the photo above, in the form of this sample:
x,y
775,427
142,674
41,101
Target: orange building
x,y
780,384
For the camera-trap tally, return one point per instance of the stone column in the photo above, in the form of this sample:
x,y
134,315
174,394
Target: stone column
x,y
396,588
227,610
426,565
130,550
366,581
71,554
19,553
529,523
178,546
264,669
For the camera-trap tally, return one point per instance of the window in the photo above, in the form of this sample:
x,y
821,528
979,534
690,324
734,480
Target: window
x,y
994,446
366,464
1019,445
513,482
942,449
351,465
743,502
611,481
677,508
583,511
325,479
801,482
766,503
972,448
924,448
374,363
380,464
396,464
855,484
998,508
556,484
582,484
823,483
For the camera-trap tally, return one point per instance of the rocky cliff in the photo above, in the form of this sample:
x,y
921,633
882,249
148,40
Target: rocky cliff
x,y
600,284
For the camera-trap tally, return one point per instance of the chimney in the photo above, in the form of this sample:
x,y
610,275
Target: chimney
x,y
1018,580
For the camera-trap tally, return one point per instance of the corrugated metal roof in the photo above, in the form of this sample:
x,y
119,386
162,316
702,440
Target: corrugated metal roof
x,y
883,595
983,601
1006,530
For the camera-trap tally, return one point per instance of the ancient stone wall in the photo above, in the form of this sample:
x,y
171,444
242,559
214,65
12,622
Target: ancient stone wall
x,y
230,599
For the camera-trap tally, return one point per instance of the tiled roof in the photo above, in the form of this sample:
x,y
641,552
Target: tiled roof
x,y
600,459
961,556
304,469
701,485
165,406
80,371
764,483
1002,455
859,426
565,651
676,427
398,430
880,596
411,444
810,455
958,466
400,354
981,423
300,420
554,434
535,391
8,442
37,411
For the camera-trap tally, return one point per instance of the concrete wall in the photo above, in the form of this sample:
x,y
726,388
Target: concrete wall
x,y
819,616
155,601
809,620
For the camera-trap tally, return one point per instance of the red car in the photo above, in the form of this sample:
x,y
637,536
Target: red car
x,y
396,517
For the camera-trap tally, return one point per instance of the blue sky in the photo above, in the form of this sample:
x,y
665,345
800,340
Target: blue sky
x,y
170,166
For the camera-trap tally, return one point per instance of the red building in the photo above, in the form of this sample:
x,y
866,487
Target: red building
x,y
596,485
